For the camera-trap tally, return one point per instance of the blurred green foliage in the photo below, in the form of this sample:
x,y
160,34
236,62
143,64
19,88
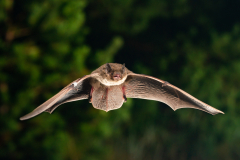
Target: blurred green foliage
x,y
47,44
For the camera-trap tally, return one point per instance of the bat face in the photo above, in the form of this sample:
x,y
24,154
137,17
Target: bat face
x,y
115,74
111,84
111,74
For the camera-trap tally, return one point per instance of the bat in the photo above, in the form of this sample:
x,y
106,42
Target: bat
x,y
109,86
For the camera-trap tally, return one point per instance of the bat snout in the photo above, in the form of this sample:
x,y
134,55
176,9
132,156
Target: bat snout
x,y
117,76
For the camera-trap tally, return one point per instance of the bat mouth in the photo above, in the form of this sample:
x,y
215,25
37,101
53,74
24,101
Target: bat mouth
x,y
117,77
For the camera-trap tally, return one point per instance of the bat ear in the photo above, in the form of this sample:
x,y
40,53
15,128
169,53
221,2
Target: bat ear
x,y
123,68
108,68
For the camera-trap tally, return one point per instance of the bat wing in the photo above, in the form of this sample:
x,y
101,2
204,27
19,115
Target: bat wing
x,y
147,87
77,90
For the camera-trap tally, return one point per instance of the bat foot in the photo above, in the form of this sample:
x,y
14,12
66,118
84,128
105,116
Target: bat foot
x,y
165,84
90,99
124,94
125,98
90,96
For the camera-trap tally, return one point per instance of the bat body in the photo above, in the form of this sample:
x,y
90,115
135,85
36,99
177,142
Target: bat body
x,y
109,86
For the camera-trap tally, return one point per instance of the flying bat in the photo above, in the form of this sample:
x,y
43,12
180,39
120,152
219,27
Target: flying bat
x,y
109,86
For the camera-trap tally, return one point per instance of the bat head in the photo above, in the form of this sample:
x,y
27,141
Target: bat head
x,y
111,74
115,73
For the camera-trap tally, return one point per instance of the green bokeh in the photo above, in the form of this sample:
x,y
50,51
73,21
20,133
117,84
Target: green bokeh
x,y
45,45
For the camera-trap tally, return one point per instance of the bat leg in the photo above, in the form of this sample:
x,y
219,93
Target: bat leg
x,y
90,99
124,94
90,95
165,84
125,98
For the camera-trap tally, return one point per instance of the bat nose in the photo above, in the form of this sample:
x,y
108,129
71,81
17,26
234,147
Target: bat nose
x,y
117,76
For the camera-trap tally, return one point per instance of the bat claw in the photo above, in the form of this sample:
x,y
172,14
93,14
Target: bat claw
x,y
165,84
74,86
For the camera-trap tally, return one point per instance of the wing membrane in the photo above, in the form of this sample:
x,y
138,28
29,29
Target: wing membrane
x,y
107,98
147,87
77,90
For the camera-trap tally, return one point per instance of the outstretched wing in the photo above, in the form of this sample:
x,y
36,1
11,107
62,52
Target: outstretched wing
x,y
77,90
147,87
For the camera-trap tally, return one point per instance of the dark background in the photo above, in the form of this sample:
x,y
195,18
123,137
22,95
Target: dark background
x,y
46,44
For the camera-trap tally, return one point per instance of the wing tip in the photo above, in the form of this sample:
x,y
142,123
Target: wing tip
x,y
217,112
23,118
30,115
212,113
27,116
